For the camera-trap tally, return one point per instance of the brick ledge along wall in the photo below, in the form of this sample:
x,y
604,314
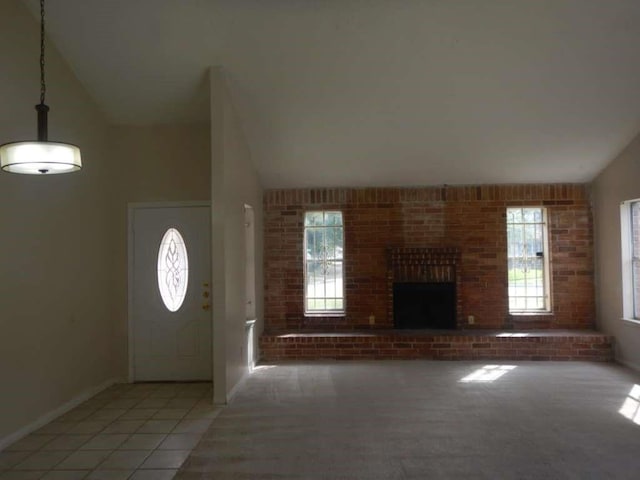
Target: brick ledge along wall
x,y
469,218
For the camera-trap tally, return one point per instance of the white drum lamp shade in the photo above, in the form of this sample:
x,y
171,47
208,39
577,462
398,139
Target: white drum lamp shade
x,y
38,158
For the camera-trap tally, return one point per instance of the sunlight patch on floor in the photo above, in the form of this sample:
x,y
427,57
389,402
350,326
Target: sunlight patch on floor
x,y
631,406
263,367
487,374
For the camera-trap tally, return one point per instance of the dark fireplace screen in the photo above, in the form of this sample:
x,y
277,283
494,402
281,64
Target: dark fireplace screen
x,y
424,305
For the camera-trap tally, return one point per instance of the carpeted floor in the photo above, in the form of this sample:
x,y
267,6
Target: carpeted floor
x,y
426,420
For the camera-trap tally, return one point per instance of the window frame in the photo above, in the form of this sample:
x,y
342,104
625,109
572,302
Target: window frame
x,y
546,263
627,260
326,312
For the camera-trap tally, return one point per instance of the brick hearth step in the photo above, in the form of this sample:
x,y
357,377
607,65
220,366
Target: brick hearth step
x,y
438,345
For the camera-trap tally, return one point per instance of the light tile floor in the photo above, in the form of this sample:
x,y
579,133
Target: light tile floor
x,y
129,431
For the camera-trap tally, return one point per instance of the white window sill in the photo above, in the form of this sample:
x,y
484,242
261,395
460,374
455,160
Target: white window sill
x,y
325,314
532,313
632,321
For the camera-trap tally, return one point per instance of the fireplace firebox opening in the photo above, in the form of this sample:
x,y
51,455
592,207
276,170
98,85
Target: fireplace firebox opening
x,y
424,305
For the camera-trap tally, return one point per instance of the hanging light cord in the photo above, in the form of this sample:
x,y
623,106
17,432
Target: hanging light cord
x,y
42,109
43,86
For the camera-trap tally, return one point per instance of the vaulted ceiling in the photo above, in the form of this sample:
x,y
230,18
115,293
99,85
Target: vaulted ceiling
x,y
375,92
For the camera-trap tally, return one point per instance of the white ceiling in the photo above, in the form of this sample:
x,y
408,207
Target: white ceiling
x,y
376,92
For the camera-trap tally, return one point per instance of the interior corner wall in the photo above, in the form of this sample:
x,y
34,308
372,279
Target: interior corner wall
x,y
234,183
162,163
55,261
616,183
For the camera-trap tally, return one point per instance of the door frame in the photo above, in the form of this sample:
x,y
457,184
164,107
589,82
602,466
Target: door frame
x,y
132,207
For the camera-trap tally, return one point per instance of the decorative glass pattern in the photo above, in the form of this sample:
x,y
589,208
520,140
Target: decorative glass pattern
x,y
527,267
173,269
323,265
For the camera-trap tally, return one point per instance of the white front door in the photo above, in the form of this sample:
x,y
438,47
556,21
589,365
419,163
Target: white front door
x,y
171,293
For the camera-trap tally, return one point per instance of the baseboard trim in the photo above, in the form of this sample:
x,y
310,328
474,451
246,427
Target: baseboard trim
x,y
53,414
232,393
631,365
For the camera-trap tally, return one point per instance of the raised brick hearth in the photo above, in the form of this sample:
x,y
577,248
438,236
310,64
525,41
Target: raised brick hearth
x,y
438,345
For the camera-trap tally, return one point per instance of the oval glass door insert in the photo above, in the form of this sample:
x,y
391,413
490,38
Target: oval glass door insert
x,y
173,269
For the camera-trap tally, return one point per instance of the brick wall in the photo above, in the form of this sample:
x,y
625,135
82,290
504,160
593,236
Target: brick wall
x,y
470,218
400,345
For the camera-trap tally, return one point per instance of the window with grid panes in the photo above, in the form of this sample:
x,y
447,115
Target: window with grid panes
x,y
323,263
630,224
528,265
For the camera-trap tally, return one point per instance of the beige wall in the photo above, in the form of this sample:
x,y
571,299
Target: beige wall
x,y
618,182
55,329
169,163
234,184
63,293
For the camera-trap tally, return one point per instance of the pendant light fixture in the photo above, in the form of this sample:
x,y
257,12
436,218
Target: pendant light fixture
x,y
40,157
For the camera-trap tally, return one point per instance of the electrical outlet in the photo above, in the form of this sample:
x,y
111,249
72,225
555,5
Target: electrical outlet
x,y
471,319
372,319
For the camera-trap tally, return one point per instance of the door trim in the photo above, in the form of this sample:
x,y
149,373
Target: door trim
x,y
131,209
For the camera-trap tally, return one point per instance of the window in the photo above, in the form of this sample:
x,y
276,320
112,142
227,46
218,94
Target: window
x,y
323,263
173,269
630,229
528,265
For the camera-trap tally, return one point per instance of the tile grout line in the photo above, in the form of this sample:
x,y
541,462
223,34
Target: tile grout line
x,y
101,402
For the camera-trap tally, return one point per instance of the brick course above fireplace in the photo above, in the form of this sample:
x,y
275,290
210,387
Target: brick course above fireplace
x,y
470,219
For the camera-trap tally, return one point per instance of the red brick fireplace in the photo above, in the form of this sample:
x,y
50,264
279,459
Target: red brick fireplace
x,y
431,236
422,267
413,223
